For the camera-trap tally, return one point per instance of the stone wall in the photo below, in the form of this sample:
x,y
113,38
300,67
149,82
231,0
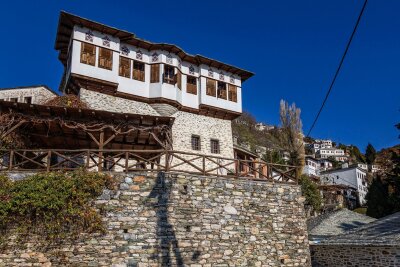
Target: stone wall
x,y
366,256
110,103
182,220
39,94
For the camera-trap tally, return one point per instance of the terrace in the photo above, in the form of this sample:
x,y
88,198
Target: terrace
x,y
52,138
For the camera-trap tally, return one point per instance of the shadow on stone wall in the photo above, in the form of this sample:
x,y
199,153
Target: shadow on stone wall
x,y
165,232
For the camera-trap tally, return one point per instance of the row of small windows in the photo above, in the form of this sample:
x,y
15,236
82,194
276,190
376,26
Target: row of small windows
x,y
171,75
214,144
27,99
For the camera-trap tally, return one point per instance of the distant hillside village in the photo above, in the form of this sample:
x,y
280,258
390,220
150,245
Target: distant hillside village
x,y
339,171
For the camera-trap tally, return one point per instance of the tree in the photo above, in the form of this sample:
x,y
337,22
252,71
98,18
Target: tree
x,y
311,193
370,154
291,134
378,204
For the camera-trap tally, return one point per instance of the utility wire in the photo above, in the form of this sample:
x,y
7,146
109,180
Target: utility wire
x,y
338,69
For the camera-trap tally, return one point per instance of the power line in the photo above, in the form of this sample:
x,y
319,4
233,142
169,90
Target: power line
x,y
338,69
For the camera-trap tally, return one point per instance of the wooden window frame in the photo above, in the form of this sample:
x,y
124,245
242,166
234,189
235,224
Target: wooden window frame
x,y
138,71
87,57
215,147
232,92
195,142
170,79
154,73
211,91
191,88
26,98
108,62
125,72
222,93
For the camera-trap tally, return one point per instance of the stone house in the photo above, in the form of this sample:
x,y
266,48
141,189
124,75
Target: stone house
x,y
114,70
374,244
36,94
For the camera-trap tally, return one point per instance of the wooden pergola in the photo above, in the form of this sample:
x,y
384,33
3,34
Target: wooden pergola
x,y
52,127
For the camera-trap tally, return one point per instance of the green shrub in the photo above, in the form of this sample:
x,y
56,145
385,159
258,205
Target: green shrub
x,y
311,192
54,205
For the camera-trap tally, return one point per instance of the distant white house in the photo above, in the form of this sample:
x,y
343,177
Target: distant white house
x,y
311,167
352,176
330,152
264,127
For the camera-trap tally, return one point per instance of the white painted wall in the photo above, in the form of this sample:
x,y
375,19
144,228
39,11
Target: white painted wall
x,y
354,177
147,89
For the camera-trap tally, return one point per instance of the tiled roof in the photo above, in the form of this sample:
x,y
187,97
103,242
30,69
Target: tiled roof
x,y
336,223
382,232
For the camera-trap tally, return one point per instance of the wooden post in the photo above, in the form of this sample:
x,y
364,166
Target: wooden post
x,y
11,159
166,160
204,165
101,147
126,161
48,160
87,160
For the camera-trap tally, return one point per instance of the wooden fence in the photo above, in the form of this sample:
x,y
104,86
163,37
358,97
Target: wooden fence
x,y
31,160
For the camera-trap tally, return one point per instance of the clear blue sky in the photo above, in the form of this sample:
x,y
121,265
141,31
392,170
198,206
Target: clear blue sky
x,y
292,46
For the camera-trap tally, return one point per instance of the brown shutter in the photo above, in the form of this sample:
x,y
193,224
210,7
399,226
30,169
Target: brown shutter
x,y
105,58
210,87
155,73
191,85
88,54
124,67
232,93
179,79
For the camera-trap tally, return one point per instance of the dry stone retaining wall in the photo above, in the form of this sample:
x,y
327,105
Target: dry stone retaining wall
x,y
185,220
361,256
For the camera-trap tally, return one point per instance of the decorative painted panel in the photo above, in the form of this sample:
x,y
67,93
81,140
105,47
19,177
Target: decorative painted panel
x,y
124,50
139,55
154,57
169,59
106,41
179,64
210,73
89,36
191,70
232,79
221,76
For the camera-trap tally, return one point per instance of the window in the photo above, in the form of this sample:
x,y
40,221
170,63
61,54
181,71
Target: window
x,y
210,87
195,142
28,99
191,85
14,99
221,90
105,58
179,79
232,93
169,74
88,54
155,73
214,146
138,71
124,67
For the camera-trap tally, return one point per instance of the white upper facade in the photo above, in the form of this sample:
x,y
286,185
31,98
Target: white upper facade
x,y
131,68
353,176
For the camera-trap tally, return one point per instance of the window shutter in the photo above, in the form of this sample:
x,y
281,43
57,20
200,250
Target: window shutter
x,y
155,73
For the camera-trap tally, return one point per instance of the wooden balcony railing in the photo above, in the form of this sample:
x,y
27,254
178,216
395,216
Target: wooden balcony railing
x,y
32,160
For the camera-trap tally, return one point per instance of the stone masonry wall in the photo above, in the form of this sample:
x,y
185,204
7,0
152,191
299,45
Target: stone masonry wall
x,y
110,103
185,220
39,94
362,256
